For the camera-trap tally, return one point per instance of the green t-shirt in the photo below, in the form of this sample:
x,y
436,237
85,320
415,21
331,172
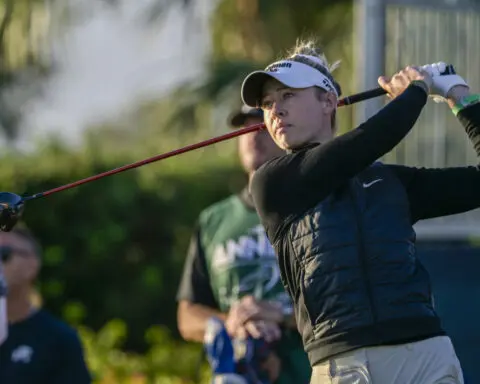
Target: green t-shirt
x,y
230,257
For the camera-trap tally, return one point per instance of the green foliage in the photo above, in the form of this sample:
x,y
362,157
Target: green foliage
x,y
114,248
249,34
165,362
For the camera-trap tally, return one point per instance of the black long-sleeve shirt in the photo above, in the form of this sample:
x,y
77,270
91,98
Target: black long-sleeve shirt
x,y
286,187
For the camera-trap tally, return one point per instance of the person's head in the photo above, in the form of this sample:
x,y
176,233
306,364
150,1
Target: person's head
x,y
255,148
20,257
298,95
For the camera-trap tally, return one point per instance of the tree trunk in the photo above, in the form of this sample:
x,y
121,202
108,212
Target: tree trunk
x,y
29,35
7,17
248,16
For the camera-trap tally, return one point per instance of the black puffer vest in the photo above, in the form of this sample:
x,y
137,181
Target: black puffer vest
x,y
359,281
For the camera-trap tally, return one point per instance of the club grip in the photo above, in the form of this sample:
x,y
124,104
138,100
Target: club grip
x,y
370,94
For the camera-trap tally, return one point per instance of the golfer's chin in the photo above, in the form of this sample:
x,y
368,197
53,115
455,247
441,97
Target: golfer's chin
x,y
290,142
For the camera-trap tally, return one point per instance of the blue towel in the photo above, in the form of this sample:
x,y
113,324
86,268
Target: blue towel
x,y
236,361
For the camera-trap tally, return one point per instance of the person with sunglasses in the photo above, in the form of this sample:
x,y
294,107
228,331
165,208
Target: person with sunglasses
x,y
39,348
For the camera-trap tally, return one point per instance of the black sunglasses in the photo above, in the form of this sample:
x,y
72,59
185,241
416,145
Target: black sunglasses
x,y
7,252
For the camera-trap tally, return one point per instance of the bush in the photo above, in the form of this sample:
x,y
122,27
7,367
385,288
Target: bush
x,y
166,361
114,248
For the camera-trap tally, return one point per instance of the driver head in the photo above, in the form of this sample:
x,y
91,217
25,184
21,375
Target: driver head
x,y
11,210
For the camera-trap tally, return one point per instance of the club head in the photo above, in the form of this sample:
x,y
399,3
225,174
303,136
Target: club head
x,y
11,209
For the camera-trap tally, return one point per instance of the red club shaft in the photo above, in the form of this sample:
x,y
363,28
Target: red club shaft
x,y
345,101
153,159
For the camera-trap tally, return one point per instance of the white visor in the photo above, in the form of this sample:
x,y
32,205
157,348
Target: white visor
x,y
290,73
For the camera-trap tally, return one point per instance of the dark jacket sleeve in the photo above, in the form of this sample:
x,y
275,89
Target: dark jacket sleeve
x,y
291,184
445,191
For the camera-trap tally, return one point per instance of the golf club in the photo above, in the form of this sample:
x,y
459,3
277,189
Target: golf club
x,y
13,205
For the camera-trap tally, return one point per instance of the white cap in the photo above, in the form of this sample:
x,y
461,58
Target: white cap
x,y
292,74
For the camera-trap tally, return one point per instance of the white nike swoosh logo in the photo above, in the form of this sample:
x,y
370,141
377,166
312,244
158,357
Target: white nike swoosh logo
x,y
367,185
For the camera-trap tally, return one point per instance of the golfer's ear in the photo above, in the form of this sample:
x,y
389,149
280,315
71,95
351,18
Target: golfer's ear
x,y
330,102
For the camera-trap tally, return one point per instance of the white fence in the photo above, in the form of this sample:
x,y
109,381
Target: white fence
x,y
403,32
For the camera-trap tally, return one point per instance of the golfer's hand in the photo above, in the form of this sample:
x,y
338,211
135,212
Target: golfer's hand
x,y
259,329
247,309
397,84
447,85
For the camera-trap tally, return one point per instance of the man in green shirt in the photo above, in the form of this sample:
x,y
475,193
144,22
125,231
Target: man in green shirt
x,y
231,271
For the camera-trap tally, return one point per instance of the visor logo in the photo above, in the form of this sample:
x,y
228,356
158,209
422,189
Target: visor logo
x,y
327,85
276,67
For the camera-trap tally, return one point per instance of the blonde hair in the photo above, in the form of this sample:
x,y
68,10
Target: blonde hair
x,y
308,52
311,48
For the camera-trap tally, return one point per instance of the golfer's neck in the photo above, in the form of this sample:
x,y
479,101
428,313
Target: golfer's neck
x,y
323,136
19,305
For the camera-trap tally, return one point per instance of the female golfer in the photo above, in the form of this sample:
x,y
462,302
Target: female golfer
x,y
341,222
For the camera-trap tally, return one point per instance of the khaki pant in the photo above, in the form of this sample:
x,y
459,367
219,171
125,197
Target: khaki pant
x,y
431,361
